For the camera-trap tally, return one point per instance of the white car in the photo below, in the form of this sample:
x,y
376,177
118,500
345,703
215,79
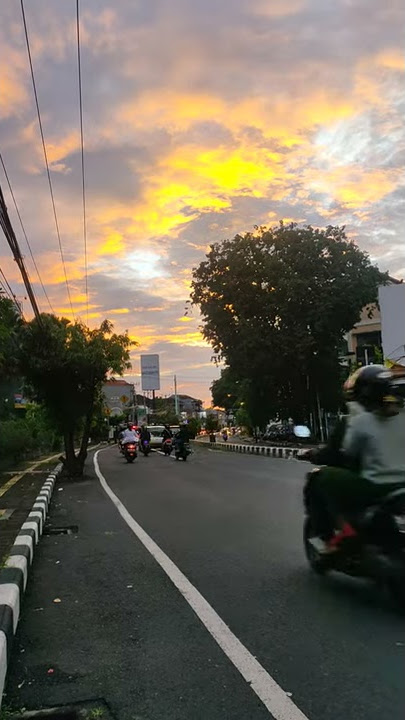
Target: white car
x,y
156,435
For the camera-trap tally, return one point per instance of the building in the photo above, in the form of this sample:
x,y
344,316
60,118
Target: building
x,y
365,340
187,404
119,396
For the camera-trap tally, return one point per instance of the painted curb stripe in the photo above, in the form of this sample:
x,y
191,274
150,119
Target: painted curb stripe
x,y
279,452
13,577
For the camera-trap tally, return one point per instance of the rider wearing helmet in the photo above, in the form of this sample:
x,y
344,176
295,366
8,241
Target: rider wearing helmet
x,y
371,456
129,435
167,433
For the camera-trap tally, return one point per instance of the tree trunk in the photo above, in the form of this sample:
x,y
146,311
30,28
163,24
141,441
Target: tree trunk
x,y
85,437
72,464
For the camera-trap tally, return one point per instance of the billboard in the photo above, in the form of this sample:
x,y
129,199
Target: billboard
x,y
392,306
150,372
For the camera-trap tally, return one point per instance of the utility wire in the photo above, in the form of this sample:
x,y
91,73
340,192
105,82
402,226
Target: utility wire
x,y
6,286
45,154
79,68
24,233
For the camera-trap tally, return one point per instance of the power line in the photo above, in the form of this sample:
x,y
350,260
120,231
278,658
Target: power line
x,y
79,68
24,233
6,286
45,154
15,249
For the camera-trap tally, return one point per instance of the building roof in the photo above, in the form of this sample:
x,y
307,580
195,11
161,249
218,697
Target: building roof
x,y
113,381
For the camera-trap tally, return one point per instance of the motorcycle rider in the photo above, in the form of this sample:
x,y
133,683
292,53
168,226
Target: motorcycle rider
x,y
370,462
182,436
167,433
128,436
144,434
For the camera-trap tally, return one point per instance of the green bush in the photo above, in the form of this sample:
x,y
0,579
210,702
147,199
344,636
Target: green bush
x,y
28,437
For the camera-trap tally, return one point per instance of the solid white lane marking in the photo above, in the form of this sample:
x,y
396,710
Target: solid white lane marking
x,y
270,693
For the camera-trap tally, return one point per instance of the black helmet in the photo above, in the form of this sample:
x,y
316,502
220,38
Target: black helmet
x,y
370,385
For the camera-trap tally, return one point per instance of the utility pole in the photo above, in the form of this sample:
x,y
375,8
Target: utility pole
x,y
15,249
176,398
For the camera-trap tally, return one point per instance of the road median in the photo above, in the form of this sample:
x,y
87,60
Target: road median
x,y
285,453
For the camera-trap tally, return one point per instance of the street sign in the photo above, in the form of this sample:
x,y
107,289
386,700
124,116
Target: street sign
x,y
150,372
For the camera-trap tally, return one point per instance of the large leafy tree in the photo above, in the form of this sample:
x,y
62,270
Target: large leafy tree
x,y
275,305
10,321
66,364
226,391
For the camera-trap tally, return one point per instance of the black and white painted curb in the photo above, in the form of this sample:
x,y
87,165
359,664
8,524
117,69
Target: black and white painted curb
x,y
14,574
275,452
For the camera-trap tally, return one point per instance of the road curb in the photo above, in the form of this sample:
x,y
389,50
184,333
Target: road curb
x,y
14,574
285,453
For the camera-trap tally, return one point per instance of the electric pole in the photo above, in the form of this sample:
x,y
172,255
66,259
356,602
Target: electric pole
x,y
15,249
176,398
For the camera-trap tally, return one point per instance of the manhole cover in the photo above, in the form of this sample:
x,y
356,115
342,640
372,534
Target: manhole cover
x,y
61,530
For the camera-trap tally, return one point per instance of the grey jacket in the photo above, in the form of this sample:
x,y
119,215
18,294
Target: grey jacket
x,y
376,445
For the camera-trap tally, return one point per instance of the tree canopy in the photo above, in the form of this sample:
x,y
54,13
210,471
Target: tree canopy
x,y
10,321
275,305
65,364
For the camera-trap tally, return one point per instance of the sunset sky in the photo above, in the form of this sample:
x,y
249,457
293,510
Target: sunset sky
x,y
201,119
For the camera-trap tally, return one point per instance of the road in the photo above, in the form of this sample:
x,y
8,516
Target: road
x,y
232,525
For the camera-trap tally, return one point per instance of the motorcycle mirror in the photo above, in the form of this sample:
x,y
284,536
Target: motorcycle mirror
x,y
302,431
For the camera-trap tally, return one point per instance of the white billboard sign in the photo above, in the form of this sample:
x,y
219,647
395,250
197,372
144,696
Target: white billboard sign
x,y
150,373
392,306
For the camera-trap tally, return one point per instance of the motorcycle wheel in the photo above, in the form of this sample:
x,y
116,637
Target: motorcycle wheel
x,y
317,563
130,460
396,590
184,458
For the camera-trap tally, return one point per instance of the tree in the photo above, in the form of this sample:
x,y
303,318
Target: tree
x,y
226,390
66,364
10,321
275,306
211,423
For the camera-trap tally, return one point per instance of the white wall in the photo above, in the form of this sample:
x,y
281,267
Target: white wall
x,y
392,306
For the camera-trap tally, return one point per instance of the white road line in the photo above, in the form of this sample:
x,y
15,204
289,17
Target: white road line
x,y
270,693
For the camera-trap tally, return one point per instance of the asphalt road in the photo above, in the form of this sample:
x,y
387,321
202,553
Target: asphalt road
x,y
232,524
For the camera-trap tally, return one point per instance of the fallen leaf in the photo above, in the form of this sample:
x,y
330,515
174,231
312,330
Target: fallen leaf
x,y
21,684
51,671
289,694
60,489
130,586
57,562
57,600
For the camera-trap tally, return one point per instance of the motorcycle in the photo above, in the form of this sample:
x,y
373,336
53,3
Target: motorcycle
x,y
129,451
167,446
182,450
145,447
375,546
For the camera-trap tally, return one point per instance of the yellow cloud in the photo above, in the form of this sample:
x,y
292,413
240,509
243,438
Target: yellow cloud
x,y
357,188
114,244
118,311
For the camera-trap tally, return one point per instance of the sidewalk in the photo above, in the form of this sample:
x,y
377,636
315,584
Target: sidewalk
x,y
16,499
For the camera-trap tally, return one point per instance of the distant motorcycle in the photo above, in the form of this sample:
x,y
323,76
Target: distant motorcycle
x,y
182,450
167,446
129,451
145,447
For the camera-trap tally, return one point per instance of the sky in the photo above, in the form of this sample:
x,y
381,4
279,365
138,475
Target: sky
x,y
201,119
